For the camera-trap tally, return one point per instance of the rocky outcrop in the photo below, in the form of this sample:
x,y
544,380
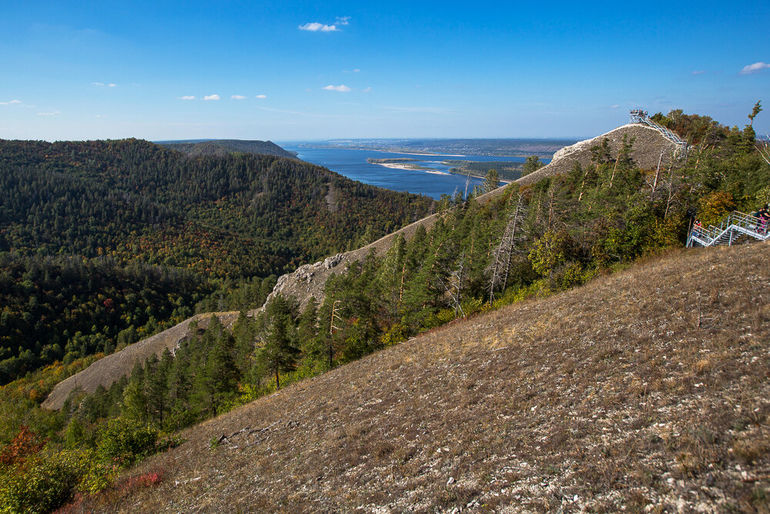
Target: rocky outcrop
x,y
649,148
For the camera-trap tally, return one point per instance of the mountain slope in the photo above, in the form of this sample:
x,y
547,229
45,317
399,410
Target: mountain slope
x,y
308,281
648,387
223,147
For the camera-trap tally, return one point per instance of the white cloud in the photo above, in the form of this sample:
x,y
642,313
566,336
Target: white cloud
x,y
261,97
342,20
698,72
52,113
102,84
111,84
11,102
318,27
614,106
187,97
211,97
238,97
367,89
342,88
754,68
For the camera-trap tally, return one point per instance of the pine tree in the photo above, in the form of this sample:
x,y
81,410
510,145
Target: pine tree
x,y
279,354
216,379
492,181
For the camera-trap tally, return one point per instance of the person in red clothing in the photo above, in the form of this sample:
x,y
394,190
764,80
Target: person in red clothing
x,y
696,228
764,217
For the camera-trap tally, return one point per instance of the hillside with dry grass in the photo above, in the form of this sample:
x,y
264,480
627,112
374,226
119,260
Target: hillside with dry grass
x,y
643,390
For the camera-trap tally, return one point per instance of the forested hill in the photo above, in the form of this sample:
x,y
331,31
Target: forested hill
x,y
115,207
223,147
238,215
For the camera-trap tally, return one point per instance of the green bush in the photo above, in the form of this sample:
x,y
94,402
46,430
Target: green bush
x,y
123,442
43,483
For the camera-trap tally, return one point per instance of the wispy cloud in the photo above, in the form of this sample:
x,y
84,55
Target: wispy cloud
x,y
11,102
698,72
211,97
614,106
315,26
367,89
261,97
187,97
342,88
102,84
754,68
318,27
238,97
51,113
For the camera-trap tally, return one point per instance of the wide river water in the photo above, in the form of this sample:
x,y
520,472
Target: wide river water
x,y
434,182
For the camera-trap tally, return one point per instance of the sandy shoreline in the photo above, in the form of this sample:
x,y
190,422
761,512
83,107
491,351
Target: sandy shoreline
x,y
412,167
397,166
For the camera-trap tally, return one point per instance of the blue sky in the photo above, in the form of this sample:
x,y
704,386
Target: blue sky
x,y
317,70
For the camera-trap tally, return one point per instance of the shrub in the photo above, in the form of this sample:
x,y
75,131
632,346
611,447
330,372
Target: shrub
x,y
123,442
43,483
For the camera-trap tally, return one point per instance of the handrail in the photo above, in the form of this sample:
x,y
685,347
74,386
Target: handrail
x,y
733,226
640,116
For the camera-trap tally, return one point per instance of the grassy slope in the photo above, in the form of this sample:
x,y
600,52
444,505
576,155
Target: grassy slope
x,y
647,386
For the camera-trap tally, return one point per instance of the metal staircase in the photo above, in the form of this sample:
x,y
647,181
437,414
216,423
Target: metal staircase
x,y
737,227
640,116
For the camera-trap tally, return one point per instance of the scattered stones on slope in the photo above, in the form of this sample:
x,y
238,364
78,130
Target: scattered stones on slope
x,y
646,390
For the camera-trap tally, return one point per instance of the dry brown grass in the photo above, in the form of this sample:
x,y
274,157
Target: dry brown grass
x,y
645,390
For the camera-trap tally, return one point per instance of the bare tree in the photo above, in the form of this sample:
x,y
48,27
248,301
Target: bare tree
x,y
453,286
764,149
499,267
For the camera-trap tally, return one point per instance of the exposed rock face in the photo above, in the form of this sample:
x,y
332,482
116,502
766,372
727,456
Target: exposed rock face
x,y
308,281
648,147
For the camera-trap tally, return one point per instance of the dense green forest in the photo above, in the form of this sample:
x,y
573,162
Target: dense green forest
x,y
237,216
532,240
57,308
103,243
223,147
